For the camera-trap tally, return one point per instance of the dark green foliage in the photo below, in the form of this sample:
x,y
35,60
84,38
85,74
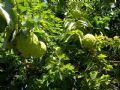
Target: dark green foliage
x,y
3,24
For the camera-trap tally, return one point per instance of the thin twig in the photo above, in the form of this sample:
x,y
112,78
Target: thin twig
x,y
115,62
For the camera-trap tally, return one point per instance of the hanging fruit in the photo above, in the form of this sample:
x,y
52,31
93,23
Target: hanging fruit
x,y
27,44
88,41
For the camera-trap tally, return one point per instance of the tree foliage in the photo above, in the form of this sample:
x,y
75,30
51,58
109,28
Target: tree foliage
x,y
59,28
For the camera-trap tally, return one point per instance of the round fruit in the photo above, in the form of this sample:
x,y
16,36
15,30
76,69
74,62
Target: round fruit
x,y
88,41
27,44
42,47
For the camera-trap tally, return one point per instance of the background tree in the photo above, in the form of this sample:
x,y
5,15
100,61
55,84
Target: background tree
x,y
80,38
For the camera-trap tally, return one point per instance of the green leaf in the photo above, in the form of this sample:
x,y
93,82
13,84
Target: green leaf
x,y
5,14
93,74
102,56
108,67
104,78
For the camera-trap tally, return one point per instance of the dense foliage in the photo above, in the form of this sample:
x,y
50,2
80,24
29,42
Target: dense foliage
x,y
59,45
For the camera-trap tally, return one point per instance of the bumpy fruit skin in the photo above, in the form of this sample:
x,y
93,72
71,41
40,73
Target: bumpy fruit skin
x,y
27,44
88,41
42,47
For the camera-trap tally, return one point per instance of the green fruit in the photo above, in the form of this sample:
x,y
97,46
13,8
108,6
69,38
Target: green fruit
x,y
39,50
88,41
42,47
27,44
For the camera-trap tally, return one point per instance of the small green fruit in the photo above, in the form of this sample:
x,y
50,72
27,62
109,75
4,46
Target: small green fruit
x,y
28,45
88,41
